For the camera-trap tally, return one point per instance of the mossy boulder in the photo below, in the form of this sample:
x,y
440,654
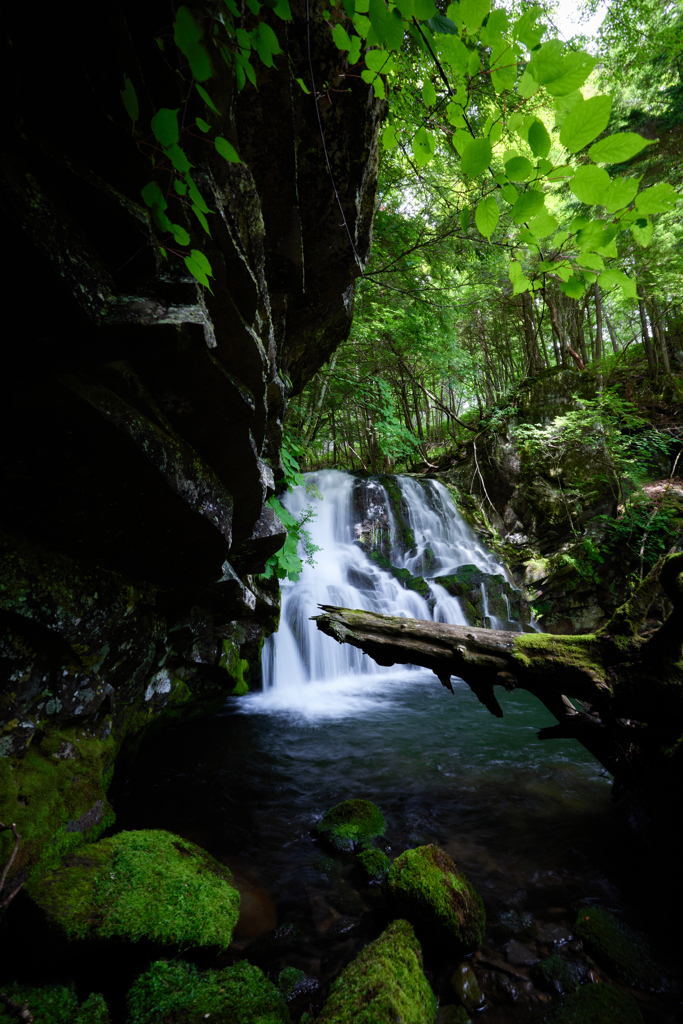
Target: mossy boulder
x,y
375,864
404,577
351,823
134,885
425,886
177,993
598,1004
619,949
558,975
48,1004
384,983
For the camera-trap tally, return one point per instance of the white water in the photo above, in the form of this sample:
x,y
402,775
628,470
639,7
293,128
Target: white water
x,y
309,675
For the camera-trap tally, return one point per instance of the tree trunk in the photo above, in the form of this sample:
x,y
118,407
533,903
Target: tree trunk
x,y
649,352
598,322
630,687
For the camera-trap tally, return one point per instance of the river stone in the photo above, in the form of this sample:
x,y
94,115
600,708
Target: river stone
x,y
134,885
520,955
375,864
466,987
619,949
425,886
177,993
598,1004
385,982
351,823
558,975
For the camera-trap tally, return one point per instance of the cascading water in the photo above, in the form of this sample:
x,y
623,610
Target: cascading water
x,y
308,673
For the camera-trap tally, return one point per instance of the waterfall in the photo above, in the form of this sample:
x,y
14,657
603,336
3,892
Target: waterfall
x,y
384,543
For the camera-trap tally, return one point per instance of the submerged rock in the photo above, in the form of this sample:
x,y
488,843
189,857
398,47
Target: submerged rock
x,y
466,987
177,993
425,886
136,885
598,1004
384,983
620,950
351,823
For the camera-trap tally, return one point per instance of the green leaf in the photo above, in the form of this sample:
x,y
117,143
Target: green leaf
x,y
396,31
520,283
557,173
180,187
586,121
207,99
486,216
186,31
165,126
529,204
428,94
377,60
519,168
592,261
406,7
202,125
130,99
349,8
303,85
476,157
341,37
543,225
201,218
160,218
227,150
424,9
474,63
424,147
495,133
621,192
538,139
197,270
590,184
380,20
616,149
526,30
461,141
389,140
657,199
465,219
572,71
180,234
574,287
610,278
527,86
440,24
282,9
199,61
152,194
642,231
593,236
473,13
178,158
268,38
195,194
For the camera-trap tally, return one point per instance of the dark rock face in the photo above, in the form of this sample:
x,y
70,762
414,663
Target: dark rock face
x,y
142,413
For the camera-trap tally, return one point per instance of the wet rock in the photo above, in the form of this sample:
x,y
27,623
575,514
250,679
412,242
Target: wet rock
x,y
452,1015
351,823
501,988
598,1004
288,979
619,949
520,955
277,944
515,924
360,580
136,885
466,987
325,867
559,975
346,900
385,982
404,577
425,886
177,993
554,935
375,864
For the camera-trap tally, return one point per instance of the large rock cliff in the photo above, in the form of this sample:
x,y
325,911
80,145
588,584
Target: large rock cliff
x,y
143,413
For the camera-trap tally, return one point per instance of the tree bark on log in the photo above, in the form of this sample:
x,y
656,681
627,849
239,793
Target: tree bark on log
x,y
629,687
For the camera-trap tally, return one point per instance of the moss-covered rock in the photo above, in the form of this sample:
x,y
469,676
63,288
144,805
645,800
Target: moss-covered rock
x,y
177,993
351,823
618,949
452,1015
288,979
384,983
93,1011
148,884
375,864
598,1004
466,987
48,1004
557,974
425,886
404,577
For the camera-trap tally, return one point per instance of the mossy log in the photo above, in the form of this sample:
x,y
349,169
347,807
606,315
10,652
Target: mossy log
x,y
618,693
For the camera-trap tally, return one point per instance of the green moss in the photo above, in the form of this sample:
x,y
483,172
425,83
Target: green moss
x,y
140,884
558,975
49,1004
236,667
425,886
288,979
177,993
384,983
375,864
619,950
352,822
598,1004
93,1011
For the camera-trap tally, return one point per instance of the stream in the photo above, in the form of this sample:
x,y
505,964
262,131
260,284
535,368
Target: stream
x,y
529,822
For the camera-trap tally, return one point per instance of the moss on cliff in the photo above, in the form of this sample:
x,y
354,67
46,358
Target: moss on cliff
x,y
140,884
